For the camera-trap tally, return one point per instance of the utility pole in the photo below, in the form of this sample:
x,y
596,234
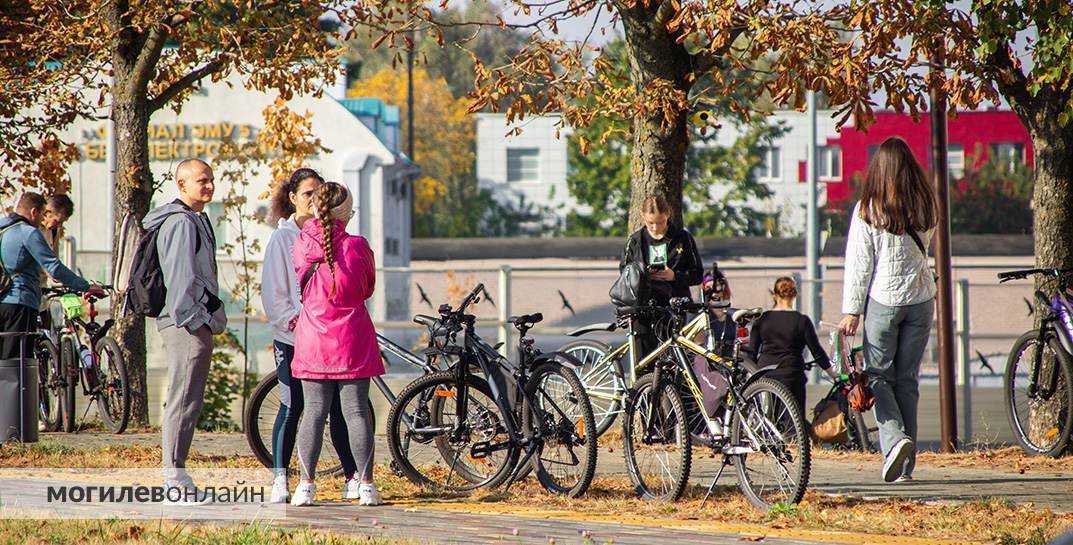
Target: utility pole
x,y
812,224
939,173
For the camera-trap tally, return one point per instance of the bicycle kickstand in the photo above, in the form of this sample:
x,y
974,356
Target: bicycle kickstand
x,y
711,488
84,415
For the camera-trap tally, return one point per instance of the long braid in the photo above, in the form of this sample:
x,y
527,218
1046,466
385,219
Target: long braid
x,y
327,197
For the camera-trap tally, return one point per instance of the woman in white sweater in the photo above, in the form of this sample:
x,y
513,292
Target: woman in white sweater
x,y
292,205
888,280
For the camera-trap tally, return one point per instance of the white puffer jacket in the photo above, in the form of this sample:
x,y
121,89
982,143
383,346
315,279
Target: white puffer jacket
x,y
279,282
888,268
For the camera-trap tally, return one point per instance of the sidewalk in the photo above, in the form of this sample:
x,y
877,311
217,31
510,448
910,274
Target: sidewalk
x,y
476,522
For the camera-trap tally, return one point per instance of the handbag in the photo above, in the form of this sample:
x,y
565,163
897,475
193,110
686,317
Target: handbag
x,y
828,425
631,287
861,397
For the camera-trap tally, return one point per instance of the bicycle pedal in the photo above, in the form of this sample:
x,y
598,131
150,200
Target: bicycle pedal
x,y
482,449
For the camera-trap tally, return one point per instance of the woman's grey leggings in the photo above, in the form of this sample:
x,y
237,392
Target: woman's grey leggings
x,y
354,397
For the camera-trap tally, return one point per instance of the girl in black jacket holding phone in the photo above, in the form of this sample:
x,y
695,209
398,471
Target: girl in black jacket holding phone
x,y
670,256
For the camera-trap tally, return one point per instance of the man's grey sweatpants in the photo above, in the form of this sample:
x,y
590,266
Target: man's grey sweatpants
x,y
894,342
188,355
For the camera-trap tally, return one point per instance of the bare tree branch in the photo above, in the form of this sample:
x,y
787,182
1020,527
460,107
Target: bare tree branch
x,y
1011,81
184,83
148,57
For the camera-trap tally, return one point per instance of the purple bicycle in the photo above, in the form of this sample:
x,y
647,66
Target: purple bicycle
x,y
1038,384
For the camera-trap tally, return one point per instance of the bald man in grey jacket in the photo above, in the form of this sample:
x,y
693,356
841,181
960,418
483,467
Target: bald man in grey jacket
x,y
193,312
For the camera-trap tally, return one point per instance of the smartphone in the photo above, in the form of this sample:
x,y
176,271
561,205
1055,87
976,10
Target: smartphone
x,y
657,267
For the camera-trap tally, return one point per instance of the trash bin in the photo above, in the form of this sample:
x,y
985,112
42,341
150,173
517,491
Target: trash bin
x,y
18,400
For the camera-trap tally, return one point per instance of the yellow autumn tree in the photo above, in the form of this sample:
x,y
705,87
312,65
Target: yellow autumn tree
x,y
443,130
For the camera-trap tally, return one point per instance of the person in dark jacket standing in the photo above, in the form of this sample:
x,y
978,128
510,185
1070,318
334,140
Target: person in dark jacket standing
x,y
670,256
192,314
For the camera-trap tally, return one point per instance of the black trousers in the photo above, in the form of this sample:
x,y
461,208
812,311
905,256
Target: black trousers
x,y
794,380
16,319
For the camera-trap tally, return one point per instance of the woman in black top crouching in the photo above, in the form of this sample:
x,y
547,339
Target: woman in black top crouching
x,y
779,338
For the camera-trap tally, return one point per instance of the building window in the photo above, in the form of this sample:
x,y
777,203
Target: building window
x,y
1008,154
770,166
955,161
830,162
215,211
523,165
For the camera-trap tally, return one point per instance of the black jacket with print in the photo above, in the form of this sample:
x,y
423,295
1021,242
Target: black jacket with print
x,y
682,258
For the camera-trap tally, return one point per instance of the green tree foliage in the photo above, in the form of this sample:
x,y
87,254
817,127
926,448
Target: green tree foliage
x,y
720,189
993,199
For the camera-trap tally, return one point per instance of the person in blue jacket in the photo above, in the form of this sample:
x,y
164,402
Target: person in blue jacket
x,y
24,253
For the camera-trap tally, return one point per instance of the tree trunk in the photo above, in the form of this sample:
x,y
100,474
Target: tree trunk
x,y
134,183
659,144
1052,203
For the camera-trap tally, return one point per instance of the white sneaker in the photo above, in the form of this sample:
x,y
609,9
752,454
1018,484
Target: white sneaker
x,y
303,495
281,493
368,495
351,489
905,478
894,464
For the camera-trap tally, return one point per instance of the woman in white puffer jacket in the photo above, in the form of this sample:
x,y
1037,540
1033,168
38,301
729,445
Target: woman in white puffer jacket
x,y
889,281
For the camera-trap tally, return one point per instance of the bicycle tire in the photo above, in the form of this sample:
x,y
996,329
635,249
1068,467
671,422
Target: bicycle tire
x,y
799,475
257,423
51,387
565,416
117,423
672,431
431,392
1063,398
865,437
69,369
598,379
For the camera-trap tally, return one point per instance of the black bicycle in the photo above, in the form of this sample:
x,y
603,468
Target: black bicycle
x,y
1038,382
97,366
486,421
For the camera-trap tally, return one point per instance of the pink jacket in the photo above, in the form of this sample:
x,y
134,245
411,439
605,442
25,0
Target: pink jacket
x,y
334,338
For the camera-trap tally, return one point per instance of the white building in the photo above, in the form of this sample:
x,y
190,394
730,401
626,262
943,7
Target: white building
x,y
530,167
533,164
361,134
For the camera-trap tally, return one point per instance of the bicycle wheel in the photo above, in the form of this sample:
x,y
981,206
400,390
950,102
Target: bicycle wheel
x,y
423,445
1041,415
561,412
864,437
768,421
69,371
260,418
603,380
51,386
113,392
657,452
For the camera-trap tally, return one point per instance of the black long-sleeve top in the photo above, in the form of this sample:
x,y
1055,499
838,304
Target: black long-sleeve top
x,y
779,337
677,250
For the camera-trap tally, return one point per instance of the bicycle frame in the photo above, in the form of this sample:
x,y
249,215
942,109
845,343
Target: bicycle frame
x,y
94,332
387,345
682,341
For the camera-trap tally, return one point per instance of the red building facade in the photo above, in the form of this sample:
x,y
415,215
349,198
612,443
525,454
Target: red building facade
x,y
973,137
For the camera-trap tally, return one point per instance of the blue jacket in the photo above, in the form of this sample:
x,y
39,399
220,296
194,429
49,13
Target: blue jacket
x,y
24,253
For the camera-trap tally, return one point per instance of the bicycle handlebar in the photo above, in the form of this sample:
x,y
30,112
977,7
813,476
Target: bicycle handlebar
x,y
473,295
1025,273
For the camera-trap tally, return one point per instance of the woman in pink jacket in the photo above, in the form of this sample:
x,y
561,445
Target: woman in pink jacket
x,y
335,343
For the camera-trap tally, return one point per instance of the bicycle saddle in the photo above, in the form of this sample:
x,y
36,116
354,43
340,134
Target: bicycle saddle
x,y
747,314
526,319
427,321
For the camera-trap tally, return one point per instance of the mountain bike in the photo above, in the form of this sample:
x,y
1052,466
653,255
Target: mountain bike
x,y
264,405
487,421
98,367
1038,382
766,441
607,372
